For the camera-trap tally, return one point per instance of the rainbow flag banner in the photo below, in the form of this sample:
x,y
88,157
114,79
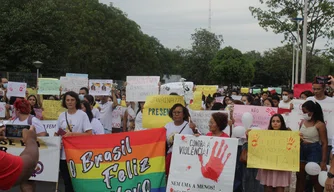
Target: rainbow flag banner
x,y
123,162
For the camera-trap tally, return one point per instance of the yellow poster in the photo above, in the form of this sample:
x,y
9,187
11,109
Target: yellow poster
x,y
207,89
31,91
156,109
273,150
52,109
197,102
244,90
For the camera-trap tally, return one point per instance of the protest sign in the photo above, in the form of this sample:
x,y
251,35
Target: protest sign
x,y
48,86
202,164
156,109
72,84
201,120
100,87
47,168
132,161
52,109
16,89
261,115
207,89
181,88
138,87
273,150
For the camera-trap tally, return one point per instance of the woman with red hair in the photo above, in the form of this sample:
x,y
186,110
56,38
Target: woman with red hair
x,y
22,109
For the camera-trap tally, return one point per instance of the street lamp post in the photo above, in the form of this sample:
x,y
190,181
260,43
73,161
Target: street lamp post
x,y
304,53
297,51
38,65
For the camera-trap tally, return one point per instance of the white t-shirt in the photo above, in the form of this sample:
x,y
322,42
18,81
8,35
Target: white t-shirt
x,y
284,105
326,100
139,122
78,121
172,130
97,127
34,122
116,117
106,113
96,113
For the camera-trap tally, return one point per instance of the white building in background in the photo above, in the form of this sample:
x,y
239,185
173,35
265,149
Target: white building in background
x,y
171,78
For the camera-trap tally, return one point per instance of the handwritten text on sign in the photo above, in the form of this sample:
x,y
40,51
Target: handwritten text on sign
x,y
261,115
201,119
156,108
273,150
202,164
48,86
138,87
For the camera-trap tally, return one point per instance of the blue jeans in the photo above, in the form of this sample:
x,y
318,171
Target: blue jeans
x,y
310,152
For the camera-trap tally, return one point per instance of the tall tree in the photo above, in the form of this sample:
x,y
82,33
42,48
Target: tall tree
x,y
231,67
205,45
277,14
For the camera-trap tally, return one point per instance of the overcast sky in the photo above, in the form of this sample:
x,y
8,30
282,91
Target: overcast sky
x,y
173,21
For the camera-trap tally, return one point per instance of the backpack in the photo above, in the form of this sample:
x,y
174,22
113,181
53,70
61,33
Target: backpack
x,y
30,123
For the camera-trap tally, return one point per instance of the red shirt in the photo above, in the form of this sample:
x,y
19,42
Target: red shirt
x,y
10,169
222,135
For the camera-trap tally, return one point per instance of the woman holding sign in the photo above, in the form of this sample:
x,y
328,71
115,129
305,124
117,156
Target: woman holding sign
x,y
313,146
181,124
274,180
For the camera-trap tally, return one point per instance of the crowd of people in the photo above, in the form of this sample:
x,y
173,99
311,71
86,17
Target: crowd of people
x,y
90,115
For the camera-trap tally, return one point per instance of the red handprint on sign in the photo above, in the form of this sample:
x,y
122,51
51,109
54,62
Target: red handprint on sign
x,y
291,141
21,88
214,166
270,111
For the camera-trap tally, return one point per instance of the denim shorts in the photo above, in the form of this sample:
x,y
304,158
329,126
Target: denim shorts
x,y
310,152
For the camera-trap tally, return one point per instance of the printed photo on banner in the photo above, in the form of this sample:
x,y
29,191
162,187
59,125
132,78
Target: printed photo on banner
x,y
73,84
202,164
181,88
139,87
16,89
201,119
261,115
118,162
156,110
47,168
100,86
48,86
273,150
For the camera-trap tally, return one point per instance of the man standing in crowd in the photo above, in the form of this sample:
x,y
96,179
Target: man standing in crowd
x,y
16,169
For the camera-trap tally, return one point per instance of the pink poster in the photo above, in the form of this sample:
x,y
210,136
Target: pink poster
x,y
261,115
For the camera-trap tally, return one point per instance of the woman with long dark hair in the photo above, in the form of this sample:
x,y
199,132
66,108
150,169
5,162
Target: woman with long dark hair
x,y
313,146
96,124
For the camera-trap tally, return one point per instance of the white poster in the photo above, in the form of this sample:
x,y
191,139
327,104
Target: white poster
x,y
50,126
138,87
294,119
181,88
47,168
201,120
100,86
72,84
2,109
202,164
16,89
